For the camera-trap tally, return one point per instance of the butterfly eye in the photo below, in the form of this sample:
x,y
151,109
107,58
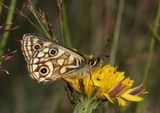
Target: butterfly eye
x,y
91,62
43,70
53,52
94,62
37,46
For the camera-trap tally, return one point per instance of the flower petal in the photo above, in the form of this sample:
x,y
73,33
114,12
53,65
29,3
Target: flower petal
x,y
131,97
108,97
121,102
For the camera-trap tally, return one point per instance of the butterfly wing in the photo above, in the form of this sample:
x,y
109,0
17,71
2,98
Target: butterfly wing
x,y
51,60
30,44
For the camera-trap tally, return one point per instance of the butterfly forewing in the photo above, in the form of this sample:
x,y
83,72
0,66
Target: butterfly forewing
x,y
48,60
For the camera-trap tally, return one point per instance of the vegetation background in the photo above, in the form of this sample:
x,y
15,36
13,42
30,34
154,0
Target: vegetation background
x,y
90,28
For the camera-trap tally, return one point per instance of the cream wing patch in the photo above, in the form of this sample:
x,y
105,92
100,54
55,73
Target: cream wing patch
x,y
48,60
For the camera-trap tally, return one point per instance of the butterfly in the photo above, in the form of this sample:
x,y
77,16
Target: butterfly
x,y
48,60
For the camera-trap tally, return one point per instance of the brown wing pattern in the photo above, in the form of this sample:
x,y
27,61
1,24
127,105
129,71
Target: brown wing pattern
x,y
48,60
31,43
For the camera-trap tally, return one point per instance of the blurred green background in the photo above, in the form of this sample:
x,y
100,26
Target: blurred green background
x,y
91,28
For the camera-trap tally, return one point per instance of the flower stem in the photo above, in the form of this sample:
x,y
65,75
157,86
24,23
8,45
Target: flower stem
x,y
116,32
8,25
86,105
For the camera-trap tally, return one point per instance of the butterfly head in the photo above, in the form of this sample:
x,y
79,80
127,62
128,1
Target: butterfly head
x,y
93,61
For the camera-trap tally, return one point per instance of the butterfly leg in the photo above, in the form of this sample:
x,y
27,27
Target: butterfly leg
x,y
69,92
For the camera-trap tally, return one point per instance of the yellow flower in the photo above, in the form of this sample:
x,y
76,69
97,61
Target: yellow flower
x,y
107,83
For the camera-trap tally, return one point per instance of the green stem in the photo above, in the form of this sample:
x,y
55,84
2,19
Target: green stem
x,y
152,44
86,105
116,32
8,23
150,54
66,27
64,23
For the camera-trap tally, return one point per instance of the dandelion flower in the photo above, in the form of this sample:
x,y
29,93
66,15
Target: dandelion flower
x,y
108,84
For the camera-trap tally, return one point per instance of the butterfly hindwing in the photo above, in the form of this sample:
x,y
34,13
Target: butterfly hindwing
x,y
30,44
